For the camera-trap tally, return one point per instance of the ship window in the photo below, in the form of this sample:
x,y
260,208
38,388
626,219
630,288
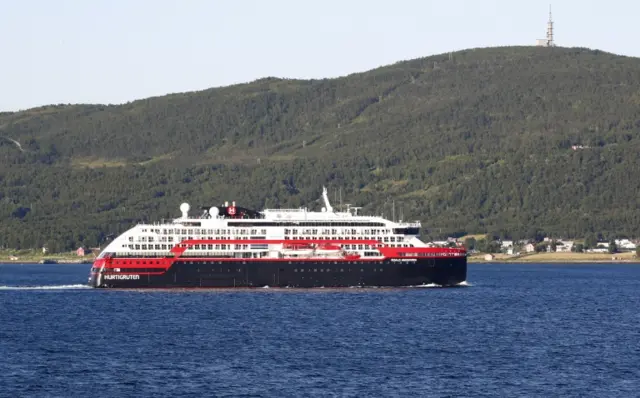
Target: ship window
x,y
144,247
157,247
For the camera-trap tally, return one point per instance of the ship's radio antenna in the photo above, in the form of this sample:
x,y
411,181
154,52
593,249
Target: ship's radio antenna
x,y
393,210
341,199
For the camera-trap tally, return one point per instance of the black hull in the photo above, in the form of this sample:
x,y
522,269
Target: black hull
x,y
192,273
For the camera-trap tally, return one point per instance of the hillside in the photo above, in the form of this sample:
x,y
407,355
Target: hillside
x,y
480,142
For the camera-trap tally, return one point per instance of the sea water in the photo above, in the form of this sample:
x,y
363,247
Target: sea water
x,y
515,330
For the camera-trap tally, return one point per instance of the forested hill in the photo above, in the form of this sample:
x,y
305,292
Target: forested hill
x,y
476,141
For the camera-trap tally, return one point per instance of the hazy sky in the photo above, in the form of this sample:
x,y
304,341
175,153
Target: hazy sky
x,y
114,51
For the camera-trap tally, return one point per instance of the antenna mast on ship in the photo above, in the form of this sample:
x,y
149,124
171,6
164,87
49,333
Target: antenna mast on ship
x,y
325,198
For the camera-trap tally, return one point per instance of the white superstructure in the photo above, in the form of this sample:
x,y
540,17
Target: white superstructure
x,y
229,222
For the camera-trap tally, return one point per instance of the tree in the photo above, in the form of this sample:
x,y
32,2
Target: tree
x,y
590,241
541,247
470,243
613,247
494,247
481,245
578,248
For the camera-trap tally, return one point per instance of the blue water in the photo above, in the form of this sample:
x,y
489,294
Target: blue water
x,y
518,330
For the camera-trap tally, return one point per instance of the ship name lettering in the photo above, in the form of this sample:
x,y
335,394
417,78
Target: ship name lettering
x,y
122,277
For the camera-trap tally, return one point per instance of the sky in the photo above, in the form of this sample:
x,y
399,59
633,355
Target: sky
x,y
115,51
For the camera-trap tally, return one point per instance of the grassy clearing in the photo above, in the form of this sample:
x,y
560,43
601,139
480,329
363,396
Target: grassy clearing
x,y
94,163
35,256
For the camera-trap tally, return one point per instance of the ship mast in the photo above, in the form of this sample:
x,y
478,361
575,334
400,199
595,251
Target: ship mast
x,y
325,198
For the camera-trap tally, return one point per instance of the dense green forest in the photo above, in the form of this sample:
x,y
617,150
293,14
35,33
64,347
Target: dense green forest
x,y
479,141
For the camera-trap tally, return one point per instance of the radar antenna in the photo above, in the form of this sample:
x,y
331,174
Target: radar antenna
x,y
550,42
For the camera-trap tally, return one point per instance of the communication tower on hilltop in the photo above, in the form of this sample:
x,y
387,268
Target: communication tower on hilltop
x,y
548,42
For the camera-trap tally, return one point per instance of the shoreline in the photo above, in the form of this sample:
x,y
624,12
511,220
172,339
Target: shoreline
x,y
556,258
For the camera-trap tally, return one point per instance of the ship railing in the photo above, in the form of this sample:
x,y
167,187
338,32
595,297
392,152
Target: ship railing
x,y
300,210
415,224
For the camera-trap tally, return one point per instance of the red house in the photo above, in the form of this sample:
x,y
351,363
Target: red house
x,y
80,252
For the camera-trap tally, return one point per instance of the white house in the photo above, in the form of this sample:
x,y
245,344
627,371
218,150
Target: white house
x,y
505,244
564,245
625,244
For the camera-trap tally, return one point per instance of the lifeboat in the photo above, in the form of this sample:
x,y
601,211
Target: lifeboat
x,y
297,249
328,248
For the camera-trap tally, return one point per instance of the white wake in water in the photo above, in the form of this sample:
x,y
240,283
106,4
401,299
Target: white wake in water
x,y
45,287
428,285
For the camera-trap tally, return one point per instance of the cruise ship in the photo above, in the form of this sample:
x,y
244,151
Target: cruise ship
x,y
230,246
